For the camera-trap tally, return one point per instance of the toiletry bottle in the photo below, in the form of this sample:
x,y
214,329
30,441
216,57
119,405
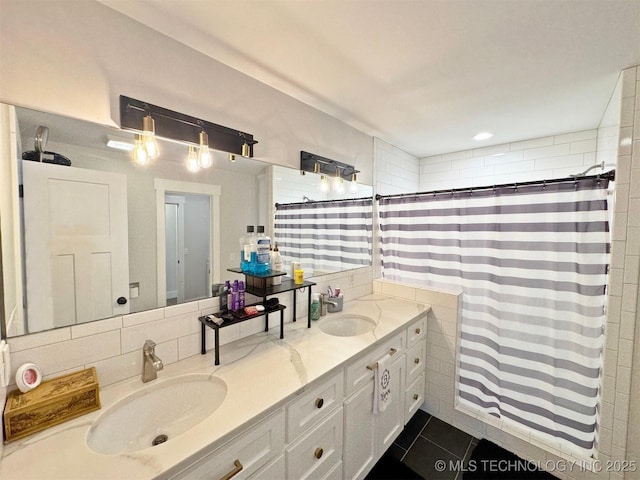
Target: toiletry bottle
x,y
263,245
276,265
227,295
315,307
245,249
240,294
253,253
234,295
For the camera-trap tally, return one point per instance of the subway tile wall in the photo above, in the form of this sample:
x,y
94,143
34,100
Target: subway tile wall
x,y
114,345
555,156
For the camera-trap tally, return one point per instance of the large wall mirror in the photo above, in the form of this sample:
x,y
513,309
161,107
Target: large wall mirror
x,y
119,237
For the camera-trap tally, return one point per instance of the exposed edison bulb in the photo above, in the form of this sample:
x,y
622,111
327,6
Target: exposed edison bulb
x,y
139,152
324,184
149,137
204,155
337,181
353,185
339,186
192,160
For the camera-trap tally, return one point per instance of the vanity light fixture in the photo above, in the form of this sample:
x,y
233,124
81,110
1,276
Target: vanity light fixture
x,y
149,137
310,162
152,121
193,164
204,154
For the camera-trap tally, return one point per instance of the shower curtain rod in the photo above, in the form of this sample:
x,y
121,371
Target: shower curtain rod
x,y
313,202
610,175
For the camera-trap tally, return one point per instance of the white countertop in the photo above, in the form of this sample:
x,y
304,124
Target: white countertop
x,y
261,372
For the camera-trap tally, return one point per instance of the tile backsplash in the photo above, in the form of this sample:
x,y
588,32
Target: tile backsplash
x,y
114,345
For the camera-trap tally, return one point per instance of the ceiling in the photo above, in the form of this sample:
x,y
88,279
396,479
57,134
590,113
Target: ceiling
x,y
423,75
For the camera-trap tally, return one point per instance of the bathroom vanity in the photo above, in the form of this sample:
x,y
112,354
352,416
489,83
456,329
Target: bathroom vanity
x,y
295,408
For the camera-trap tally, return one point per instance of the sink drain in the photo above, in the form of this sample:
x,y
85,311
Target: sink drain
x,y
159,439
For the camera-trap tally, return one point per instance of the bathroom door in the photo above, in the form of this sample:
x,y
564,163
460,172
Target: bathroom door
x,y
76,244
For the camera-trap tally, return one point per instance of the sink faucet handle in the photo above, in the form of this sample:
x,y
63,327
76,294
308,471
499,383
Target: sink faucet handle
x,y
149,345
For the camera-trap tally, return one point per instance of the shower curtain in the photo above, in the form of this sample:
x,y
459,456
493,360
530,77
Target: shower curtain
x,y
325,236
532,263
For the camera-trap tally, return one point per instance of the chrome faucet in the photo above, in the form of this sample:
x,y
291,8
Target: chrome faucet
x,y
324,302
151,364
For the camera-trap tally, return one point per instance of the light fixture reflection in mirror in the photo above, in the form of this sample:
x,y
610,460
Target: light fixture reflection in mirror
x,y
193,164
245,150
353,186
204,154
149,137
324,184
140,152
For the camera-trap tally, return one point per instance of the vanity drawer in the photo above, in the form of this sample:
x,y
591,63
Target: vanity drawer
x,y
313,405
318,452
357,373
417,332
414,397
416,361
245,454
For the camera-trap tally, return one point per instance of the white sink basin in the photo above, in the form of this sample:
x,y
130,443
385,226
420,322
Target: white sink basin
x,y
347,325
157,412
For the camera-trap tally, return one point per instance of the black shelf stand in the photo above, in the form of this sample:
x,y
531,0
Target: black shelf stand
x,y
257,285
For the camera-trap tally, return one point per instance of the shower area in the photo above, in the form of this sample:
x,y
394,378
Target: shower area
x,y
535,238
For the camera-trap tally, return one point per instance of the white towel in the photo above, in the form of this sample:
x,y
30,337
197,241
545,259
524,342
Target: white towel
x,y
382,385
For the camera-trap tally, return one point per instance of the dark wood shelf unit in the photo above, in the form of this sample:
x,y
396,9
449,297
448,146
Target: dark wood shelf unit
x,y
230,319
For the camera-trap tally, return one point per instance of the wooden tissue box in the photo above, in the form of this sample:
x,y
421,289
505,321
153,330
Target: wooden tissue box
x,y
52,402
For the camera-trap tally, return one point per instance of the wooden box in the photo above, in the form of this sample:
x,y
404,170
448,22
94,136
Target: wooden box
x,y
52,402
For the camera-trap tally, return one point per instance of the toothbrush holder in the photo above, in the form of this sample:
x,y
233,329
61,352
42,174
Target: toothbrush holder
x,y
338,307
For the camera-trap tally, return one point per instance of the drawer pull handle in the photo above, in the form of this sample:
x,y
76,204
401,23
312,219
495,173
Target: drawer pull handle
x,y
416,361
236,470
318,453
319,402
373,366
418,331
416,396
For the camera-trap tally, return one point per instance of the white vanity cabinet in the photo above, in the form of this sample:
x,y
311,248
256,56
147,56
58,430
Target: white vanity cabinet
x,y
244,456
314,431
368,435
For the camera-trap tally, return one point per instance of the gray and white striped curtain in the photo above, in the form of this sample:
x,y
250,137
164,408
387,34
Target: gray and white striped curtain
x,y
325,236
532,264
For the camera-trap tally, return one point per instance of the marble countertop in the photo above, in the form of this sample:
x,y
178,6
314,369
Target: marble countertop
x,y
261,372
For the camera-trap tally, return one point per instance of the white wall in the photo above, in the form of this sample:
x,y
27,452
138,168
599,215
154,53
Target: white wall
x,y
76,58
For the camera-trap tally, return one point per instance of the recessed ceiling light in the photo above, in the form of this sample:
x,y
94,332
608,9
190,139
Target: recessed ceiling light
x,y
483,136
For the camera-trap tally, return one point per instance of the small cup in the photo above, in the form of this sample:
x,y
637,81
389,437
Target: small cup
x,y
298,276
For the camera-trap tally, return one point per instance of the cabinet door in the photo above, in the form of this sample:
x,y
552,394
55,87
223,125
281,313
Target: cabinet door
x,y
317,452
390,423
312,406
243,455
414,397
359,433
416,361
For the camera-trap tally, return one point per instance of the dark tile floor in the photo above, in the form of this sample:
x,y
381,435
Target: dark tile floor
x,y
425,441
435,450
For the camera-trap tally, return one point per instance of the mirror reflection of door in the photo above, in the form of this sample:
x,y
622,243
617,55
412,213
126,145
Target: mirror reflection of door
x,y
188,243
77,265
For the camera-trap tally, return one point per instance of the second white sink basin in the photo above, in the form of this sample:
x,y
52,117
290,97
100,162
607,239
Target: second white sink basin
x,y
157,413
347,325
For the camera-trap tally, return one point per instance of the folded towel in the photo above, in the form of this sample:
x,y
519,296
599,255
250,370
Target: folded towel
x,y
382,385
